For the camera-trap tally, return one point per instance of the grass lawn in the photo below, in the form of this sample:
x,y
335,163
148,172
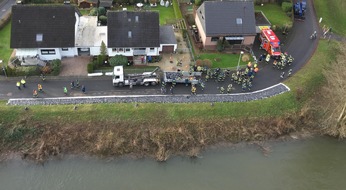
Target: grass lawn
x,y
223,60
333,14
165,12
84,12
5,36
275,14
310,77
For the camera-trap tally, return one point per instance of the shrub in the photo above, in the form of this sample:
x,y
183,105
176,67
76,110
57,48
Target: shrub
x,y
90,67
198,2
199,62
219,46
103,20
102,11
207,63
118,60
286,7
184,33
46,70
56,66
10,71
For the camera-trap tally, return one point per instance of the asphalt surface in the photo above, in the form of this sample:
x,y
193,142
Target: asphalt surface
x,y
5,6
297,43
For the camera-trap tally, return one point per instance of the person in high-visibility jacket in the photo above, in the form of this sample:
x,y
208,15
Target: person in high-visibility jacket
x,y
39,88
23,82
18,85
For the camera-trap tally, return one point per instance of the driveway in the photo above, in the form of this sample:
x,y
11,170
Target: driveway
x,y
74,66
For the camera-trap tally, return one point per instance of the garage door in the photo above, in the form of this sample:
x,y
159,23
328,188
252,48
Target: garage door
x,y
167,49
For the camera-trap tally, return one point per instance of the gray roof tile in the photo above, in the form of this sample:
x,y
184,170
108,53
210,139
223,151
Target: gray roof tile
x,y
56,23
144,33
220,17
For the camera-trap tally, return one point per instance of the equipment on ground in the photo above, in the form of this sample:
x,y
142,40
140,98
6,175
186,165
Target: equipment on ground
x,y
299,9
145,78
270,42
182,77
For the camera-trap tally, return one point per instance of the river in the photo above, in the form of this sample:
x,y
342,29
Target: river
x,y
317,163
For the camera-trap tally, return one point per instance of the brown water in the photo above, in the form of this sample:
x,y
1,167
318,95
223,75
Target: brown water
x,y
318,163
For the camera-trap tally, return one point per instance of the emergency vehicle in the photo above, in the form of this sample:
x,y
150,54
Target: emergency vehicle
x,y
270,42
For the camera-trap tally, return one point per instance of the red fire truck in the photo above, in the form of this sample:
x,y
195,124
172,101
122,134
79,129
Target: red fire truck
x,y
270,42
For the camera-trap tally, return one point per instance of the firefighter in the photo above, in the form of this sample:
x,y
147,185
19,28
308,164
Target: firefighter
x,y
289,72
243,86
174,82
202,85
222,90
193,90
229,88
23,82
34,93
18,85
282,75
39,88
249,85
207,77
249,65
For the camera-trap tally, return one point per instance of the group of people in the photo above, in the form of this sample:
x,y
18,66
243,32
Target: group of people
x,y
283,61
22,83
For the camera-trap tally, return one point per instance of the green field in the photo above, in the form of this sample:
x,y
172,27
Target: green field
x,y
223,60
333,14
275,14
5,36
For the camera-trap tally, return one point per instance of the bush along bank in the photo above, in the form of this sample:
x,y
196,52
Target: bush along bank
x,y
155,138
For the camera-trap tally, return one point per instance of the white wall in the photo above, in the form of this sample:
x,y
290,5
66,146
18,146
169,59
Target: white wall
x,y
94,51
71,52
175,46
26,52
114,53
57,54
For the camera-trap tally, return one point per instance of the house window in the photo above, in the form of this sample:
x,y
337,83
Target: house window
x,y
127,49
152,49
114,49
141,48
129,34
39,37
48,51
64,49
239,21
214,39
121,49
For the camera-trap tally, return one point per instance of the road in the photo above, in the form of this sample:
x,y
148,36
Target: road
x,y
5,5
297,43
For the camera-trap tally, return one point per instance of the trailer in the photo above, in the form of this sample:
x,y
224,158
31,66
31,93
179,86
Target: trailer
x,y
121,79
270,42
182,77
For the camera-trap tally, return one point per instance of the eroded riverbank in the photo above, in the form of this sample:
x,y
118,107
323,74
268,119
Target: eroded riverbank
x,y
313,163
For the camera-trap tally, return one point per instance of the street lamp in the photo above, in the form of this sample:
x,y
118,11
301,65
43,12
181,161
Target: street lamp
x,y
241,53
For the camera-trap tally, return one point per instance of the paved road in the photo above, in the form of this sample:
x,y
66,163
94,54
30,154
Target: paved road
x,y
297,43
5,5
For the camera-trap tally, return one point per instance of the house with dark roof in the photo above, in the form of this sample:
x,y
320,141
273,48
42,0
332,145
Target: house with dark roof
x,y
55,31
233,21
44,31
138,34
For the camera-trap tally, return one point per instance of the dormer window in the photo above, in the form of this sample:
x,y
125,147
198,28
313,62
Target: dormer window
x,y
129,34
39,37
239,21
136,18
